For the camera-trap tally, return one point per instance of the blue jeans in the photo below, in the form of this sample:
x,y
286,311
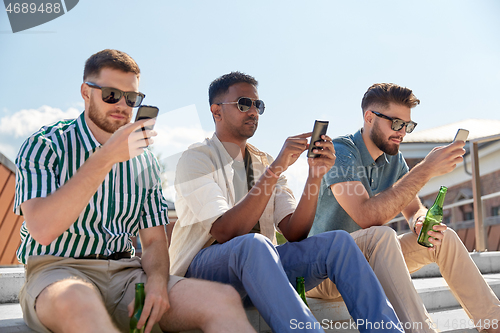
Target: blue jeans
x,y
267,274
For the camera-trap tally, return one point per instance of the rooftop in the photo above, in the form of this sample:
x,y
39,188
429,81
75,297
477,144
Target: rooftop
x,y
478,128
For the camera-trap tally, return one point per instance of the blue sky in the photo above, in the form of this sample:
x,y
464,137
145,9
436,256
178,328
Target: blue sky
x,y
313,59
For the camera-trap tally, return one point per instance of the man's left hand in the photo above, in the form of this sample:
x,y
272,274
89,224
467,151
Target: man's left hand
x,y
436,233
155,305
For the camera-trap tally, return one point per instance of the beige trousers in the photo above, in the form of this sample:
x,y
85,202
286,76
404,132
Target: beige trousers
x,y
394,257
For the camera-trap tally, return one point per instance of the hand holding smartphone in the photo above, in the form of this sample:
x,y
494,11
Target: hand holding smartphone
x,y
146,112
320,127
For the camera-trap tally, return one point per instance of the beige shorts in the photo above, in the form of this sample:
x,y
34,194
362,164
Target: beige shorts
x,y
42,271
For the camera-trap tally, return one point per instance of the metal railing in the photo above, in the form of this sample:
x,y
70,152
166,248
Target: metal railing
x,y
476,191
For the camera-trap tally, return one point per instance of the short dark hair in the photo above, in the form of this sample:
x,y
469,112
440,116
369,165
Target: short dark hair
x,y
113,59
221,85
381,94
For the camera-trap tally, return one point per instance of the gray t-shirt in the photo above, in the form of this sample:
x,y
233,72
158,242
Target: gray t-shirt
x,y
354,163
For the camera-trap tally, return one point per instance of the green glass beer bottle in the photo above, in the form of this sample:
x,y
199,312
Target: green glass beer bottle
x,y
301,289
434,216
140,296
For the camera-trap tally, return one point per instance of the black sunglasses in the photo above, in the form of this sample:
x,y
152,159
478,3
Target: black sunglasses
x,y
113,95
397,124
245,103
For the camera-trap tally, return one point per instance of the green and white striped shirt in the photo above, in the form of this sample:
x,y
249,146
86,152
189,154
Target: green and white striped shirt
x,y
130,197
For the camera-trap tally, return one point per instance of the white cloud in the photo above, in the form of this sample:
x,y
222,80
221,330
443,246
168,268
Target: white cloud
x,y
8,150
25,122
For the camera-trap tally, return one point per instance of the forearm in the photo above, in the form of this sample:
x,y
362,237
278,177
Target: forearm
x,y
383,207
47,218
156,262
299,224
240,219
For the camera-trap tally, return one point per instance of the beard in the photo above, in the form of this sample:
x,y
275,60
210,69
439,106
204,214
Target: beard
x,y
103,122
243,130
384,145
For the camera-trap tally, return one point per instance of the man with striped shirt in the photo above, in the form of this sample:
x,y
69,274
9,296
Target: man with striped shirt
x,y
85,186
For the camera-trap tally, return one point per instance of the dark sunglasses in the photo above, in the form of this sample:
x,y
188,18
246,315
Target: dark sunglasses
x,y
245,103
113,95
397,124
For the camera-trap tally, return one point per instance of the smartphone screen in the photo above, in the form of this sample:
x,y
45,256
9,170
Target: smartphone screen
x,y
320,127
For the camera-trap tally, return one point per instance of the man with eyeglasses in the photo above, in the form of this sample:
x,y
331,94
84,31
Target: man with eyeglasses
x,y
85,186
370,184
231,199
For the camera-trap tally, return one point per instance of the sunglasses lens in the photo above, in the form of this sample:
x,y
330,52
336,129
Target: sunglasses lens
x,y
260,106
133,99
111,95
244,104
397,124
410,127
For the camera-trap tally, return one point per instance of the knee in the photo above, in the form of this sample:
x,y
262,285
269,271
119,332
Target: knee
x,y
68,295
225,301
384,234
450,236
255,242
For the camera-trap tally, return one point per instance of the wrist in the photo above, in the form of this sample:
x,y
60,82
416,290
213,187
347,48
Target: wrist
x,y
102,156
420,218
275,170
422,171
271,173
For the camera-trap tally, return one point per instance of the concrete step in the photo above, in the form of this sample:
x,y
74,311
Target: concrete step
x,y
450,321
436,294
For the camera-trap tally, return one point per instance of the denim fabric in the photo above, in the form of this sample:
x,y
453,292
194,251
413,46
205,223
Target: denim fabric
x,y
267,273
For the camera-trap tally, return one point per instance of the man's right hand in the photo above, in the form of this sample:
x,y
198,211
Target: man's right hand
x,y
294,146
442,160
129,140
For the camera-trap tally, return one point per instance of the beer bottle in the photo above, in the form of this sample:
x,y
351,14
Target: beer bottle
x,y
301,289
434,216
140,296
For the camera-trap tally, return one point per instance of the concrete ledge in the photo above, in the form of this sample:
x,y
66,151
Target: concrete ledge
x,y
11,282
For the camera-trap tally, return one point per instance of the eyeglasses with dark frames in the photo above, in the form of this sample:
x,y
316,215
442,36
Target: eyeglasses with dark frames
x,y
397,124
113,95
244,104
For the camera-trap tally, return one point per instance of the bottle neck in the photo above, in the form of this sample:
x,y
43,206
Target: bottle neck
x,y
440,197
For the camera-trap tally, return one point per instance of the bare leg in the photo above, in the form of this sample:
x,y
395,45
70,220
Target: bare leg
x,y
205,305
73,305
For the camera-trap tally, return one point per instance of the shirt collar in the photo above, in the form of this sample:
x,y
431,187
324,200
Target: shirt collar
x,y
366,158
88,140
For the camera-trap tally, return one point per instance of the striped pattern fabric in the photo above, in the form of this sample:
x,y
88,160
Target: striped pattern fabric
x,y
130,197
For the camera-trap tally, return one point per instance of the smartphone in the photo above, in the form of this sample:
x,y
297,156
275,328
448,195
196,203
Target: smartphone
x,y
147,112
461,135
320,127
